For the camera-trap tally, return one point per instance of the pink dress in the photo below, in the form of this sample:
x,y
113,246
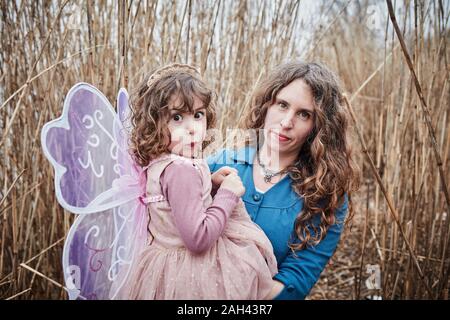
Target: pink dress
x,y
200,248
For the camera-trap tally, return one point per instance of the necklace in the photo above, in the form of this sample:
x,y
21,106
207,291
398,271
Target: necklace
x,y
267,173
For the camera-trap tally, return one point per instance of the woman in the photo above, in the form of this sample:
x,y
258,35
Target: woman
x,y
298,174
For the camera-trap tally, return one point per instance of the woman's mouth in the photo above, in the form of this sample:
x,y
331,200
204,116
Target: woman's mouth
x,y
282,137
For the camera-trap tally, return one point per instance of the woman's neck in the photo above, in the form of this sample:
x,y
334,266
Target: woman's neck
x,y
275,160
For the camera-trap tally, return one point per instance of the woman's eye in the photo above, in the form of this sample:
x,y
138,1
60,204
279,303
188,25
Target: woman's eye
x,y
282,105
177,117
304,115
199,115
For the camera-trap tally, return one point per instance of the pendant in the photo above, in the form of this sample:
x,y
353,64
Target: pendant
x,y
267,178
267,175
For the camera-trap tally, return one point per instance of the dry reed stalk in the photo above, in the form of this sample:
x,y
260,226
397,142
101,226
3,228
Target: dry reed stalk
x,y
316,43
30,73
431,133
387,197
36,256
363,245
43,276
18,294
29,81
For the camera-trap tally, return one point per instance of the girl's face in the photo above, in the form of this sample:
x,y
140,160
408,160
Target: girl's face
x,y
290,119
187,130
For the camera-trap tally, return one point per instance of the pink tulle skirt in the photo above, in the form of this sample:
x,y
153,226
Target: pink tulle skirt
x,y
240,265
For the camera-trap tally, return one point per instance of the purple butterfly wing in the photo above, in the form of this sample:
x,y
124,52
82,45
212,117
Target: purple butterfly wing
x,y
96,177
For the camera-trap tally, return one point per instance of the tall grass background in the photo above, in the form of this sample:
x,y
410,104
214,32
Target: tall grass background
x,y
48,46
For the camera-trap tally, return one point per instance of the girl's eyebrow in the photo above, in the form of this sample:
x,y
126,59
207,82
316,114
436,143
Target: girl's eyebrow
x,y
288,104
174,110
198,109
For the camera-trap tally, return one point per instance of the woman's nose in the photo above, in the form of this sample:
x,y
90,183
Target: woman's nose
x,y
286,122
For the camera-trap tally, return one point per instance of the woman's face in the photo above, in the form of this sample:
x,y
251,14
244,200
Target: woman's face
x,y
187,130
290,119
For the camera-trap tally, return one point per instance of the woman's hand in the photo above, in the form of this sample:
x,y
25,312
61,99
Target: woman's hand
x,y
233,183
218,176
276,290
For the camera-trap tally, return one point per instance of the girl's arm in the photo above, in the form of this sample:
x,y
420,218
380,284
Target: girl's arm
x,y
199,227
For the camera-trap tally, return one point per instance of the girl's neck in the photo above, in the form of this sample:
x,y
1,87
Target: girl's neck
x,y
168,155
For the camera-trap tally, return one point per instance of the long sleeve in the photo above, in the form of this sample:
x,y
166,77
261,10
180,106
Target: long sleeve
x,y
199,227
299,274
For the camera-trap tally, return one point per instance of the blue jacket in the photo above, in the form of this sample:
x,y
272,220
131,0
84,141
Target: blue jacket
x,y
275,212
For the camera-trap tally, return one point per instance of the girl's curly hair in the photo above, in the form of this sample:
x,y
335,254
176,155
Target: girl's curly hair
x,y
325,171
150,136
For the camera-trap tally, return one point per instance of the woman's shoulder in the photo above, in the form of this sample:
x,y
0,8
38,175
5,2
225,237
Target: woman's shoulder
x,y
219,156
230,157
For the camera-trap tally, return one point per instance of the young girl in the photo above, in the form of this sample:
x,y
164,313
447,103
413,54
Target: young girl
x,y
200,247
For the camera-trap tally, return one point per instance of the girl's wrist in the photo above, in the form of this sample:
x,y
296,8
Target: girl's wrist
x,y
228,192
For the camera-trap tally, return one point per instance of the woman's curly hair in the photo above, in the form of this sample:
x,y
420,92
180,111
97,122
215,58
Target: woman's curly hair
x,y
325,171
150,136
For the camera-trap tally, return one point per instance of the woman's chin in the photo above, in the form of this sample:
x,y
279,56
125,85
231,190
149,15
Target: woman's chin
x,y
275,145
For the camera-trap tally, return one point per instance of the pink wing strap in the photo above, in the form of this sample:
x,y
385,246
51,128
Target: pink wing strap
x,y
151,199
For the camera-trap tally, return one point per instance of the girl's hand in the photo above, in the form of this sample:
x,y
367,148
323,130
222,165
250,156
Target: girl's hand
x,y
233,183
218,176
276,290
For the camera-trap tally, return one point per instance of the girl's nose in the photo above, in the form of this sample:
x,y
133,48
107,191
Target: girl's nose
x,y
190,127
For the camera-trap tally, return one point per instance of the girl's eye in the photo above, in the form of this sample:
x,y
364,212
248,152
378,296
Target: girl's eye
x,y
199,115
177,117
304,115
